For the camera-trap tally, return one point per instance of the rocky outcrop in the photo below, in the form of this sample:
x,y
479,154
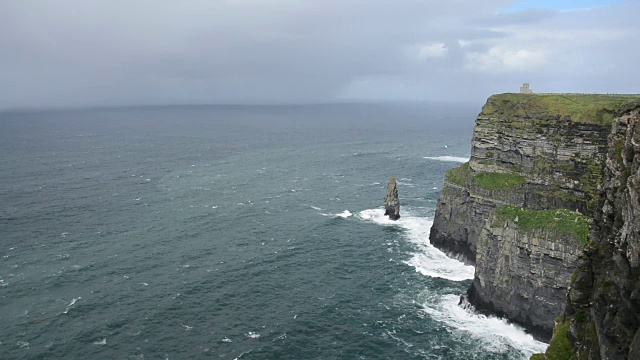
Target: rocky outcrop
x,y
524,275
602,316
520,209
391,201
522,154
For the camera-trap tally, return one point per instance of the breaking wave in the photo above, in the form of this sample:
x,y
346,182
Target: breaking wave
x,y
345,214
427,259
495,334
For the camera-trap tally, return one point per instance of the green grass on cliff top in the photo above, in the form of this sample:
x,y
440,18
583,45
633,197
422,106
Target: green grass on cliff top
x,y
582,108
559,220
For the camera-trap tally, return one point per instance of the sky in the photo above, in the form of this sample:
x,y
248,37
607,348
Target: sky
x,y
76,53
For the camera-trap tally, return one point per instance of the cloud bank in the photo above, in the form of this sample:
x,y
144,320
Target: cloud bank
x,y
123,52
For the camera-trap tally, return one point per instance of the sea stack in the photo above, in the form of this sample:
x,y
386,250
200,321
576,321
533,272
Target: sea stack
x,y
391,202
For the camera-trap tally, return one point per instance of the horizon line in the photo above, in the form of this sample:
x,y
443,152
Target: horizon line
x,y
230,104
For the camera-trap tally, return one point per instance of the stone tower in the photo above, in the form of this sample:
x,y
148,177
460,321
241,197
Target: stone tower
x,y
524,89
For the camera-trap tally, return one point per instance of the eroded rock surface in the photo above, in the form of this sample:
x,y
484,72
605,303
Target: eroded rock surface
x,y
530,153
548,160
602,316
391,201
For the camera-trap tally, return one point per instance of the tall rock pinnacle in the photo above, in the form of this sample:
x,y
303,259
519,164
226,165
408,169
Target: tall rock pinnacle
x,y
391,202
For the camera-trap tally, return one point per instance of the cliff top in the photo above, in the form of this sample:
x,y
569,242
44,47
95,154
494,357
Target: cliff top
x,y
578,108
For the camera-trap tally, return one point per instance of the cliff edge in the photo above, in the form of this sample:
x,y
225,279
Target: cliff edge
x,y
521,208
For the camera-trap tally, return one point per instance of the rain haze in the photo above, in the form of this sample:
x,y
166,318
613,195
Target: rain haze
x,y
93,53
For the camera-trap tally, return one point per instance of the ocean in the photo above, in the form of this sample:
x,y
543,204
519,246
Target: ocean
x,y
235,232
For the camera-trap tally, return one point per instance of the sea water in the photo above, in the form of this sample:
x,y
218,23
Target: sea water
x,y
228,232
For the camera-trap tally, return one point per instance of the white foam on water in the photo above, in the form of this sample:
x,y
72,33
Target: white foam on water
x,y
226,340
345,214
252,335
315,208
427,260
73,301
241,355
100,342
448,158
495,334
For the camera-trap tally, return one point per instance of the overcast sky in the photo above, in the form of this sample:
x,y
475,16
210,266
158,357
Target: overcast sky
x,y
111,52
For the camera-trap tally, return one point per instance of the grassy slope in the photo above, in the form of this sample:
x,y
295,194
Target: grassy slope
x,y
587,108
462,176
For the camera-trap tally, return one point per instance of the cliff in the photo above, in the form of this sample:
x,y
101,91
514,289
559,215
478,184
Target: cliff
x,y
602,316
522,274
520,209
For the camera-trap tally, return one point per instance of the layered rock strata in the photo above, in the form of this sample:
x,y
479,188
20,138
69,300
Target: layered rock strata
x,y
522,154
391,201
602,316
523,275
520,209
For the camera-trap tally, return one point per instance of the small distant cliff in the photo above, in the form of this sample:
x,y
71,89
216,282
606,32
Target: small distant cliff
x,y
521,209
602,315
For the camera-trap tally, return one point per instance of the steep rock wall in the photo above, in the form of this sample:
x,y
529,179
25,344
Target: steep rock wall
x,y
525,155
535,161
524,275
602,316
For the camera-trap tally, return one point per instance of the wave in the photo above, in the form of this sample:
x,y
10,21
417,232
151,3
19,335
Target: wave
x,y
427,260
252,335
448,158
496,335
345,214
73,301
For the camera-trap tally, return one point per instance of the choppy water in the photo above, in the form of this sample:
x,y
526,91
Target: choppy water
x,y
234,232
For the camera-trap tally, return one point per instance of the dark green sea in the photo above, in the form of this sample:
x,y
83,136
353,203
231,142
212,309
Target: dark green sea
x,y
234,232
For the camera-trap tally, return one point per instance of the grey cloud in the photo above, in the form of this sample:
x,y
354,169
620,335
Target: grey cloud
x,y
91,52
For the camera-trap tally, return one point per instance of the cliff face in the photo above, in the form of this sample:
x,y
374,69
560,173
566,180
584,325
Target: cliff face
x,y
525,155
520,209
602,317
523,275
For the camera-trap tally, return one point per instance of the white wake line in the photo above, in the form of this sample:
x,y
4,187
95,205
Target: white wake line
x,y
448,158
